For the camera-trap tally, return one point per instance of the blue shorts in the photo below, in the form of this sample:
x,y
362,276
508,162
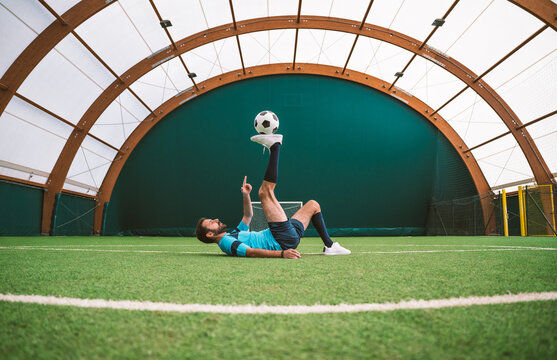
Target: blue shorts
x,y
287,233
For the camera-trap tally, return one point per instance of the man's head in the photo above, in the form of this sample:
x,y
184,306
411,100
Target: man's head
x,y
207,229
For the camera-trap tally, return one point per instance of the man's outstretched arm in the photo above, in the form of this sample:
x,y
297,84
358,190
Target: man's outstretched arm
x,y
248,210
262,253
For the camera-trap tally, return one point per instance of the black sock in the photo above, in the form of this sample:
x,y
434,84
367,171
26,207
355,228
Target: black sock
x,y
271,174
319,223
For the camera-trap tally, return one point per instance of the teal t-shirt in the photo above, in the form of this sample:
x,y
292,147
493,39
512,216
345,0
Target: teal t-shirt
x,y
236,242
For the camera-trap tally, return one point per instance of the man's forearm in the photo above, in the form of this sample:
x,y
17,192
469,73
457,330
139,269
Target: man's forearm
x,y
248,210
262,253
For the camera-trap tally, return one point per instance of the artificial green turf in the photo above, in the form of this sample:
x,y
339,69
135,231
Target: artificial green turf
x,y
527,330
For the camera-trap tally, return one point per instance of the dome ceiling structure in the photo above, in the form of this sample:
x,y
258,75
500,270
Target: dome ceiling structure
x,y
81,82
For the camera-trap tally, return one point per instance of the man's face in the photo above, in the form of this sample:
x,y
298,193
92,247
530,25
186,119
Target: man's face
x,y
214,226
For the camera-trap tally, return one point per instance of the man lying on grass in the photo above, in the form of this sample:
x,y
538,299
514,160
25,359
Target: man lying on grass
x,y
283,235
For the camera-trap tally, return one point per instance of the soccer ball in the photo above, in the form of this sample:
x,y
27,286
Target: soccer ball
x,y
266,122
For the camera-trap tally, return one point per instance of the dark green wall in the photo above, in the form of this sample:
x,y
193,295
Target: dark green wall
x,y
21,212
20,209
372,162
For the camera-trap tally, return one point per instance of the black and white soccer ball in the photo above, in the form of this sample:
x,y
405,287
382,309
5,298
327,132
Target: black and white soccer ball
x,y
266,122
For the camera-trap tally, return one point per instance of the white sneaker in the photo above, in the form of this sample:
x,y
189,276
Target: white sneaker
x,y
267,140
336,249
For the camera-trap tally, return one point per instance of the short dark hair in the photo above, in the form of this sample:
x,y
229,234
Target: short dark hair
x,y
201,231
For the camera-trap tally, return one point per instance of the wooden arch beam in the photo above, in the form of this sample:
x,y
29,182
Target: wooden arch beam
x,y
105,191
56,180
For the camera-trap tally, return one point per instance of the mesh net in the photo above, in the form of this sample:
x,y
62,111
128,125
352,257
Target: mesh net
x,y
73,215
475,215
539,204
259,222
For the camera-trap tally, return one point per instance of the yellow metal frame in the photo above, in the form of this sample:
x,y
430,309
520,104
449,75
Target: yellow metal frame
x,y
505,213
522,208
522,211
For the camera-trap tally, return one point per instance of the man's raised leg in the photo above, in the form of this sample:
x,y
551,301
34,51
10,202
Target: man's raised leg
x,y
271,207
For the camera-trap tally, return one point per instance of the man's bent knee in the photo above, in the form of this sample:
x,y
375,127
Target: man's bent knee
x,y
315,205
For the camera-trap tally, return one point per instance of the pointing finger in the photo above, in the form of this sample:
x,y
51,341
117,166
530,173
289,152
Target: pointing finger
x,y
245,179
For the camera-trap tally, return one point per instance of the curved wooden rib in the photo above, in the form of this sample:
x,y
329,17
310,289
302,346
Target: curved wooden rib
x,y
60,170
129,145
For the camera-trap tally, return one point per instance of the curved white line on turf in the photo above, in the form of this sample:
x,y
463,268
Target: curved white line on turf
x,y
301,245
303,253
110,245
278,309
454,250
112,250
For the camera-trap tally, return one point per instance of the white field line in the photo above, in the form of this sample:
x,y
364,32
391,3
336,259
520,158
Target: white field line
x,y
277,309
111,250
303,253
301,245
454,250
445,251
113,245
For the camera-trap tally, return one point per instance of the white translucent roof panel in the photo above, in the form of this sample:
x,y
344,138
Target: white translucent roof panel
x,y
213,59
186,17
61,6
266,47
489,38
356,11
472,118
463,16
317,7
544,134
82,59
324,47
23,174
119,119
413,18
251,9
378,59
502,162
385,12
30,137
66,84
32,13
144,19
429,82
81,189
177,74
248,9
283,7
12,46
116,39
527,80
157,86
91,163
216,12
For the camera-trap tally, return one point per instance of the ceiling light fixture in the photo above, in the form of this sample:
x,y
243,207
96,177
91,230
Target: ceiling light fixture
x,y
165,23
438,22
